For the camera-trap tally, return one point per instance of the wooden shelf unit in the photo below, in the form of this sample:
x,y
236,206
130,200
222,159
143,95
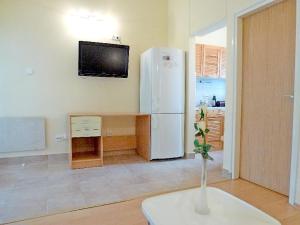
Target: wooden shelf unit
x,y
88,144
86,152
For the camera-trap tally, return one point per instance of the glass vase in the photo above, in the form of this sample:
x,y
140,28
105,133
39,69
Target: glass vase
x,y
202,204
204,173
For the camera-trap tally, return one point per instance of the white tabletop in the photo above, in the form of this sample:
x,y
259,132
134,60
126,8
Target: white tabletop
x,y
178,208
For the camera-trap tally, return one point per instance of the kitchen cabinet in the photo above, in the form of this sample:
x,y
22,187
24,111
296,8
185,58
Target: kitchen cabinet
x,y
210,61
215,124
222,63
199,59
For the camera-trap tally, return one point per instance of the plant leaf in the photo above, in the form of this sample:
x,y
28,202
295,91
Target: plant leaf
x,y
196,143
196,126
202,115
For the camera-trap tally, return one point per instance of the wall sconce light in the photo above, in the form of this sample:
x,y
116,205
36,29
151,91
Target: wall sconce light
x,y
87,25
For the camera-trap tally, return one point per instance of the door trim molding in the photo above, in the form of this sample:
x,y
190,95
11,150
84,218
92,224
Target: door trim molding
x,y
237,90
296,116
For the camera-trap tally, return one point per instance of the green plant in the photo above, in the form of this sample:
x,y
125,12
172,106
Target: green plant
x,y
202,148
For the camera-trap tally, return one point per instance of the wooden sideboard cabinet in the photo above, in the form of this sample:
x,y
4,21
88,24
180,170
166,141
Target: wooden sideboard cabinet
x,y
215,124
89,143
210,61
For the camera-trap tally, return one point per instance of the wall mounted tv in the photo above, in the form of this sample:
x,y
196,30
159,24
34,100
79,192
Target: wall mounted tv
x,y
103,59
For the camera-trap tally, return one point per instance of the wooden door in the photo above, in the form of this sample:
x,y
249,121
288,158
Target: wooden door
x,y
268,75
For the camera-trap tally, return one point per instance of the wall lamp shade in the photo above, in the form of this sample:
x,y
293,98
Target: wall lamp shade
x,y
86,25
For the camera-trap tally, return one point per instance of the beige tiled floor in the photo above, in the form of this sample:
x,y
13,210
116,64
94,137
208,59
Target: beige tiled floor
x,y
130,213
34,187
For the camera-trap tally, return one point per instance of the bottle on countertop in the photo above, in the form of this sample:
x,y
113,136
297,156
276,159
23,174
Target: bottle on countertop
x,y
214,100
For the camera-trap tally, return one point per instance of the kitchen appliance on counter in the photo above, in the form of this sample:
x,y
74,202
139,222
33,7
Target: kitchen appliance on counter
x,y
220,103
162,93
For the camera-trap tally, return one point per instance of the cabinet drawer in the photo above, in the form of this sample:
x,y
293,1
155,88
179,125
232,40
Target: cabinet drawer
x,y
86,133
86,120
86,126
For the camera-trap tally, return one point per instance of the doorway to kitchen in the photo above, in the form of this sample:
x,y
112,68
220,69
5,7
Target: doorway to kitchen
x,y
210,83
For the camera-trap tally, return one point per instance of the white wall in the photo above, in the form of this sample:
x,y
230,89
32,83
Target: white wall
x,y
188,17
216,38
178,24
205,13
42,35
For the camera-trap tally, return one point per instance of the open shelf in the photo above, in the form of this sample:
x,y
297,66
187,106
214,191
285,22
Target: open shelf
x,y
85,156
86,152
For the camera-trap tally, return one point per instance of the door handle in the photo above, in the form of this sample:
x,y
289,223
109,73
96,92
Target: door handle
x,y
289,96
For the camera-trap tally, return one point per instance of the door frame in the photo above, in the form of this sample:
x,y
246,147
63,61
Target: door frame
x,y
191,91
237,91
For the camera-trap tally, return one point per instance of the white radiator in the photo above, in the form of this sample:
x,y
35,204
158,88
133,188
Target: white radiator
x,y
22,134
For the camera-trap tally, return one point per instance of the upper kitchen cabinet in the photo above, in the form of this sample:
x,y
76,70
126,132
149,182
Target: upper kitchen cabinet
x,y
199,59
222,63
210,61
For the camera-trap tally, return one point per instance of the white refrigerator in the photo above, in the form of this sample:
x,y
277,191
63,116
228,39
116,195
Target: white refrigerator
x,y
162,94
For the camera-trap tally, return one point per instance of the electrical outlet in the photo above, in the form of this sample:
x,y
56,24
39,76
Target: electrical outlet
x,y
60,138
116,38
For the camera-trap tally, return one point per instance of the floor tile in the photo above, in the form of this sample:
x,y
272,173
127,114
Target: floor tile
x,y
65,202
37,186
31,182
23,209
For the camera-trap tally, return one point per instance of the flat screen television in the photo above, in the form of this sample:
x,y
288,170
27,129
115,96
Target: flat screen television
x,y
103,59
